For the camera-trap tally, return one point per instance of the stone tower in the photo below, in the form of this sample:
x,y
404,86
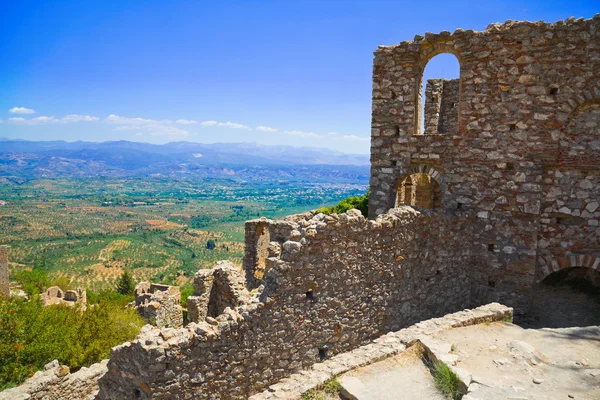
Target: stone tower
x,y
4,289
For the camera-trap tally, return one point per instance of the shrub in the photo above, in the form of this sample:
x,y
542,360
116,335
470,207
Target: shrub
x,y
62,282
34,281
361,203
186,291
32,335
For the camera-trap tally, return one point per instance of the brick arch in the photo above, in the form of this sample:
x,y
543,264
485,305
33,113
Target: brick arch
x,y
435,49
436,175
573,102
548,267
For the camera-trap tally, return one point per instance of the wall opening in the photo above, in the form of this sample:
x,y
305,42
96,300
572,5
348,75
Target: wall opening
x,y
419,190
438,96
565,298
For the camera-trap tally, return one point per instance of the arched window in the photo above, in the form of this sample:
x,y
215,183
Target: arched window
x,y
439,96
419,190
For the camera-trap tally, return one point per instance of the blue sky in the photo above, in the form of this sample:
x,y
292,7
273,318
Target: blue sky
x,y
273,72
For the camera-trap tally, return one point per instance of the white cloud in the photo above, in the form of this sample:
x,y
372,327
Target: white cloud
x,y
302,134
266,129
150,126
331,133
79,118
232,125
115,119
186,122
21,110
356,138
72,118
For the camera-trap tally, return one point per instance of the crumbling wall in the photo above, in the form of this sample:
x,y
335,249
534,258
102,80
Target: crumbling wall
x,y
4,273
55,295
338,282
215,290
159,304
56,383
526,130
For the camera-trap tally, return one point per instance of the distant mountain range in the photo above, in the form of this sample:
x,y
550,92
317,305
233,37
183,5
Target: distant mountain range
x,y
239,161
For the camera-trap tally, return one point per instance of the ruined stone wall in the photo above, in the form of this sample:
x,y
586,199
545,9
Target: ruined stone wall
x,y
525,147
56,383
54,295
4,273
441,106
330,284
216,289
159,304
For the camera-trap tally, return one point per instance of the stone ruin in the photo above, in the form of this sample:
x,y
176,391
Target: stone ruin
x,y
55,295
497,191
515,141
215,290
4,273
159,304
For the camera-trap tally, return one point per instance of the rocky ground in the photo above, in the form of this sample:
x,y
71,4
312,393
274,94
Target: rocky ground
x,y
497,361
559,306
509,362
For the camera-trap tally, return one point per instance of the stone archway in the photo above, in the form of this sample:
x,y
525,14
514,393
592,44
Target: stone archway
x,y
566,293
554,265
421,186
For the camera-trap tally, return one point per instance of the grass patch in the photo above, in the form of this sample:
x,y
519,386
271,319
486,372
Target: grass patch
x,y
508,319
332,385
328,390
446,381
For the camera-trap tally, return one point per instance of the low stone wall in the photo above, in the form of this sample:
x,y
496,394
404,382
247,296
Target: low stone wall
x,y
56,383
327,285
383,347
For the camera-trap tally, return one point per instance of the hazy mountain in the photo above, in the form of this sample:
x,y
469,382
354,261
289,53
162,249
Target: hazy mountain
x,y
246,161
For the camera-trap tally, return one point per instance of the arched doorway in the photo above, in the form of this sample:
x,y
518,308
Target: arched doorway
x,y
567,297
439,96
419,190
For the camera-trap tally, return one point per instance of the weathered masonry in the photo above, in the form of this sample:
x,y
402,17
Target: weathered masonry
x,y
515,140
4,273
327,285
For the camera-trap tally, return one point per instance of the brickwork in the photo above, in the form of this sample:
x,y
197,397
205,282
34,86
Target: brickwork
x,y
4,273
525,154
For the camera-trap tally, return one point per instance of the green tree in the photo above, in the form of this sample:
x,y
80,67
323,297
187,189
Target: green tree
x,y
210,244
34,281
125,283
361,203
